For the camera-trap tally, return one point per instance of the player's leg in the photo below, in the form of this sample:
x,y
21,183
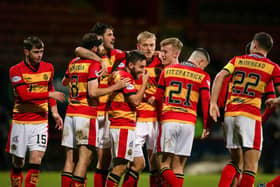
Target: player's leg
x,y
69,144
251,159
166,146
67,173
37,144
233,143
183,147
103,152
16,146
236,179
251,133
85,158
123,146
16,172
138,163
85,136
274,183
231,171
178,164
32,176
119,168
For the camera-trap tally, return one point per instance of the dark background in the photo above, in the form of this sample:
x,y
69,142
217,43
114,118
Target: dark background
x,y
223,27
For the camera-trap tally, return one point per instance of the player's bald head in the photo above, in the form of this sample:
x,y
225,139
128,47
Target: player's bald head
x,y
200,53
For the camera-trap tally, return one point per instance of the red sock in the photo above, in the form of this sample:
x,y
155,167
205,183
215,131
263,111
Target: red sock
x,y
274,183
130,179
112,180
100,177
32,178
66,179
16,177
227,175
180,179
155,179
237,176
169,177
248,179
78,181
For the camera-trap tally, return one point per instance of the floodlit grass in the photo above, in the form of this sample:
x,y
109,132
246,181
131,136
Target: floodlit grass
x,y
52,179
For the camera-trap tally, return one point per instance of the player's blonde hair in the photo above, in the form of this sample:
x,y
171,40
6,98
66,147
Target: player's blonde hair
x,y
175,42
145,35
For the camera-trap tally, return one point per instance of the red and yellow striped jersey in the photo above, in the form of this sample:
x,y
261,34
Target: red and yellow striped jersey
x,y
250,76
145,111
31,86
79,72
122,114
116,55
180,86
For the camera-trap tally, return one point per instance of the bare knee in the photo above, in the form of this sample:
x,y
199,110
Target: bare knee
x,y
138,164
17,162
120,166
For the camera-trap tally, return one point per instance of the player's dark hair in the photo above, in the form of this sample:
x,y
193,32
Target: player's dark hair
x,y
32,41
100,28
134,56
90,40
204,52
264,40
247,48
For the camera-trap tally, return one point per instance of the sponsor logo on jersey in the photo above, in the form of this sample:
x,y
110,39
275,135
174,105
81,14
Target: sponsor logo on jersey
x,y
121,65
130,87
16,78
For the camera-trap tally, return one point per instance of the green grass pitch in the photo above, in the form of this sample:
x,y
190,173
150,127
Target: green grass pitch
x,y
52,179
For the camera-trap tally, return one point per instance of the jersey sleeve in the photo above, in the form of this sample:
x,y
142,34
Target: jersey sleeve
x,y
269,91
52,101
276,75
205,100
160,88
93,71
21,88
120,55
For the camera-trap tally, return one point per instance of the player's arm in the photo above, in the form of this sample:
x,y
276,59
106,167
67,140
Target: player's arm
x,y
205,102
136,99
216,88
269,93
21,89
94,91
87,54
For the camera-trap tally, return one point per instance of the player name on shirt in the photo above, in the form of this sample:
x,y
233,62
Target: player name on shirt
x,y
252,63
184,73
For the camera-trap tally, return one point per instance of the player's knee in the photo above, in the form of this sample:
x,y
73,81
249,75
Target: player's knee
x,y
18,162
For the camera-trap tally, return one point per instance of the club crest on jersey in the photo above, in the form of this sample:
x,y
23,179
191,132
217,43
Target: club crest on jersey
x,y
45,77
16,78
121,65
130,87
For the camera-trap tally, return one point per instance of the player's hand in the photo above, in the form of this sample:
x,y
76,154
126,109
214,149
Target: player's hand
x,y
214,111
145,76
124,82
58,121
205,133
151,100
57,96
271,102
103,70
